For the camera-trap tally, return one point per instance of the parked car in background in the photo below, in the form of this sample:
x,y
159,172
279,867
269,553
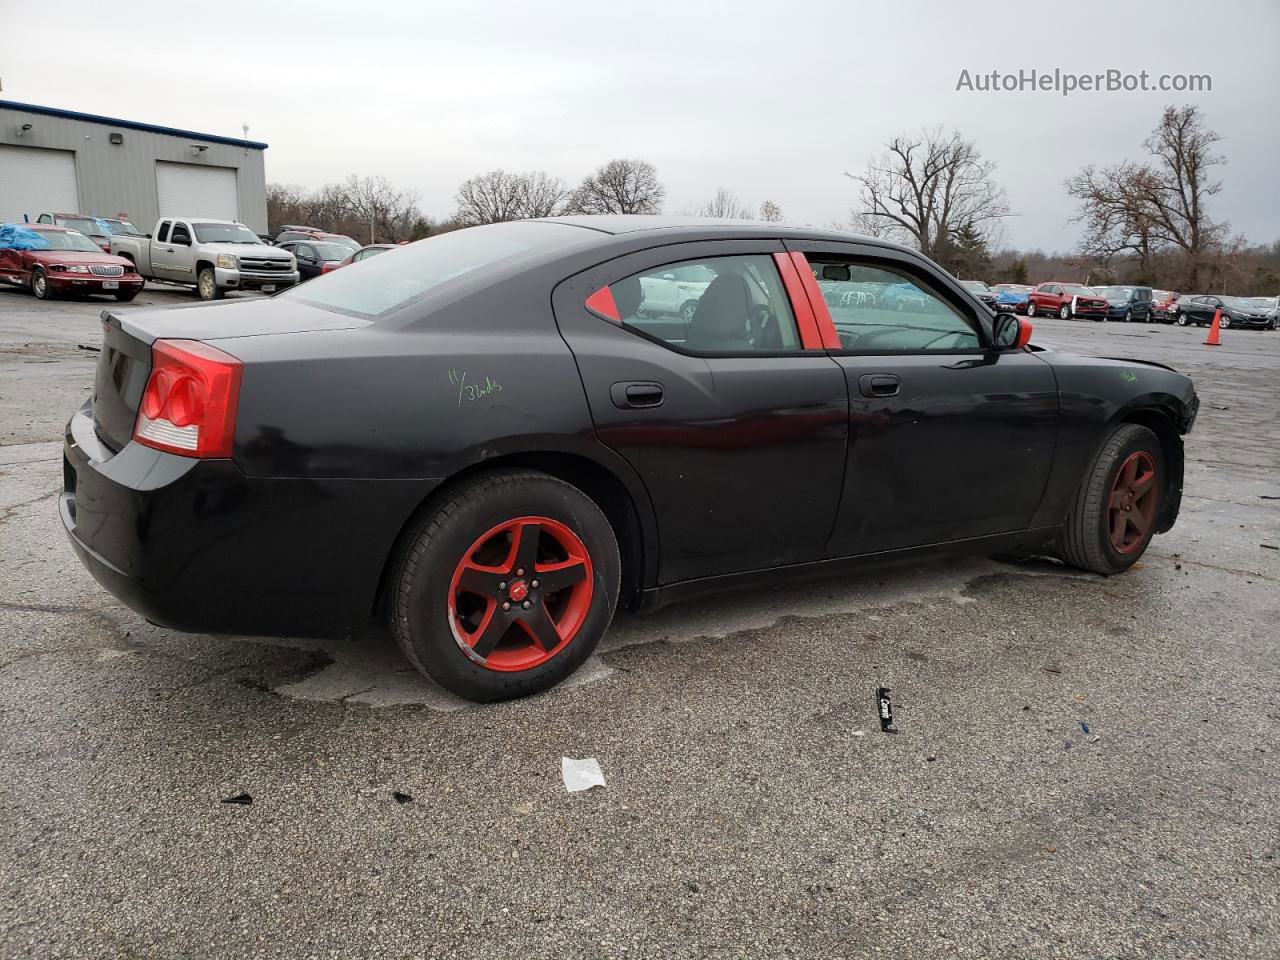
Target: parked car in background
x,y
289,233
476,440
903,296
981,291
1269,304
1236,312
1163,305
364,253
93,228
1066,300
1012,297
55,261
315,257
214,256
120,227
1127,303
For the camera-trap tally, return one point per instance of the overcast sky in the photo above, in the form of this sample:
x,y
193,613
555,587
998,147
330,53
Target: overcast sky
x,y
771,100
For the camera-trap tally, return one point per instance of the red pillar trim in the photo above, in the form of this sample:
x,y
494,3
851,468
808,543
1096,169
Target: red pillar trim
x,y
826,328
602,304
806,323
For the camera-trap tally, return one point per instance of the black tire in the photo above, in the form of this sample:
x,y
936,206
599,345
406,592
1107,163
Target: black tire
x,y
1128,316
207,285
423,572
40,285
1031,309
1085,541
1181,320
687,310
1224,322
1064,312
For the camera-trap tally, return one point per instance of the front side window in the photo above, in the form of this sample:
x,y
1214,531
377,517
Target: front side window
x,y
877,309
715,305
180,234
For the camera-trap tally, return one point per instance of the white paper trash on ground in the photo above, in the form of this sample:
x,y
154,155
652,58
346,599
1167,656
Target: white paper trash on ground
x,y
581,775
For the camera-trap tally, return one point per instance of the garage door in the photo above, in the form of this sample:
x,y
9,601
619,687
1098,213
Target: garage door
x,y
35,181
192,190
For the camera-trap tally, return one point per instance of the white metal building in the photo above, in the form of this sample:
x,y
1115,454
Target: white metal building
x,y
61,161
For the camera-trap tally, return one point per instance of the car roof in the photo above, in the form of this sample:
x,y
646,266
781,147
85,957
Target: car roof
x,y
622,225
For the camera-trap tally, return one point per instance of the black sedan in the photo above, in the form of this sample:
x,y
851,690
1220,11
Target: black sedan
x,y
980,290
1233,312
316,257
485,439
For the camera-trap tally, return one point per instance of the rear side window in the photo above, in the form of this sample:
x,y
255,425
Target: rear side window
x,y
879,310
163,233
717,305
408,274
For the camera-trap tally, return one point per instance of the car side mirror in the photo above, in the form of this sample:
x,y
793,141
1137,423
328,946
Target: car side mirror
x,y
668,276
1010,332
147,236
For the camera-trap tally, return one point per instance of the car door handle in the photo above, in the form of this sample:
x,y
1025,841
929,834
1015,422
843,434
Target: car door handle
x,y
636,395
878,385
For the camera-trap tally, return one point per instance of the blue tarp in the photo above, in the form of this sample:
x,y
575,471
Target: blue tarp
x,y
14,236
1008,296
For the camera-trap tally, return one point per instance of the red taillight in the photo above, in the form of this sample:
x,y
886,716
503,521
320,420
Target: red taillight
x,y
189,404
330,265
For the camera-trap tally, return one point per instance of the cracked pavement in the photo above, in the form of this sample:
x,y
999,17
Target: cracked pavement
x,y
753,807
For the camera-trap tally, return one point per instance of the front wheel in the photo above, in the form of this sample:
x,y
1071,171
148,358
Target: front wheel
x,y
1031,309
207,285
1182,320
1114,514
1224,323
1065,312
40,285
687,310
506,587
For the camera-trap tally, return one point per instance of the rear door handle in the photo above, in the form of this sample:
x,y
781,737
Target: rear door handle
x,y
636,395
878,385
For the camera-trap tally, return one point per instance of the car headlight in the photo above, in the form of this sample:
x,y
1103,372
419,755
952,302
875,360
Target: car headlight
x,y
227,261
75,268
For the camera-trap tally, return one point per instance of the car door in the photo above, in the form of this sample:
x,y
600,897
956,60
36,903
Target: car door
x,y
737,431
948,439
171,259
308,260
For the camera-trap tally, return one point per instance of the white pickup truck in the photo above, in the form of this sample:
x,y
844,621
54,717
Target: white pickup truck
x,y
214,256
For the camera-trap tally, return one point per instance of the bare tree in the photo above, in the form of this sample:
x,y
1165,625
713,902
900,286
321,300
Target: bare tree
x,y
725,205
1146,208
770,212
387,211
498,196
923,188
620,186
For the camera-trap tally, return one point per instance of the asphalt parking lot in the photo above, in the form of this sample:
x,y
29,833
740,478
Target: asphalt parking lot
x,y
1084,768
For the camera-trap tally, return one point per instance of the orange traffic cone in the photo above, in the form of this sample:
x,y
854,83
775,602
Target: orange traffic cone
x,y
1215,334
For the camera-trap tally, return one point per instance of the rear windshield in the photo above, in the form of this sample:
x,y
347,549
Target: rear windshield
x,y
407,274
332,251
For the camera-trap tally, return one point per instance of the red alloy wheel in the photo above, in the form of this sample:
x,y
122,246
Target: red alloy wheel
x,y
520,594
1131,508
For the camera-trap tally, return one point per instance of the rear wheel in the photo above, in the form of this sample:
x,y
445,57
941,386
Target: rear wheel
x,y
1113,516
507,587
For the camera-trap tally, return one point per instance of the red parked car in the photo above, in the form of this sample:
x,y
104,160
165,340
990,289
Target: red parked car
x,y
1066,300
67,263
1163,305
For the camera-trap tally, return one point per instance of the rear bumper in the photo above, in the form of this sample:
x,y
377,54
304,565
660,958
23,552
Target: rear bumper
x,y
195,545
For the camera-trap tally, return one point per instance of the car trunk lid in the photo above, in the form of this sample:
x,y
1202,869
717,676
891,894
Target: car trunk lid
x,y
125,361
